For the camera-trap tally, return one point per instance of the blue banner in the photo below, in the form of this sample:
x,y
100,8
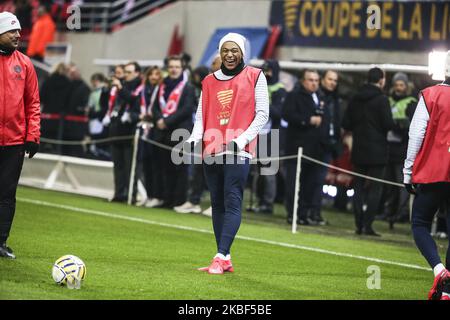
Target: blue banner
x,y
389,25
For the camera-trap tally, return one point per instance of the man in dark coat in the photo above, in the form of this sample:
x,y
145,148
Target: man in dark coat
x,y
307,128
75,117
369,118
173,110
55,92
124,115
329,95
267,184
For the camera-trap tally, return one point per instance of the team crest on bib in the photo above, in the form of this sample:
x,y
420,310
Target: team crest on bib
x,y
225,97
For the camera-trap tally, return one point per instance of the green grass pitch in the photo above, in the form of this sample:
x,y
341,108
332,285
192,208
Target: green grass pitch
x,y
140,253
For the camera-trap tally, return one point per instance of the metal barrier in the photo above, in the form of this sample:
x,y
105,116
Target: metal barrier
x,y
71,174
105,16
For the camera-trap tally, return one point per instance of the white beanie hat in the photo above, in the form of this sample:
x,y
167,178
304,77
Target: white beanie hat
x,y
8,22
447,65
236,38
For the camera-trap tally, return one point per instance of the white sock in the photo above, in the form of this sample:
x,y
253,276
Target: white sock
x,y
228,257
438,269
219,255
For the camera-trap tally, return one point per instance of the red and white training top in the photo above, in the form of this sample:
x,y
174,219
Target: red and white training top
x,y
239,104
428,157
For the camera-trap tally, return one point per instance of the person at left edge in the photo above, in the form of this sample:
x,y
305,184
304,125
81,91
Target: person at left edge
x,y
19,120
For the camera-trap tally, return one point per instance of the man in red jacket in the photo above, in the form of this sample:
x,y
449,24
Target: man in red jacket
x,y
42,34
427,175
19,120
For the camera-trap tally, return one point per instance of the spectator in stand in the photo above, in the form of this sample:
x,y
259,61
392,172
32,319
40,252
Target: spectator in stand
x,y
369,118
308,128
23,13
187,68
122,118
216,63
97,108
153,176
42,34
197,181
173,110
277,94
75,118
328,94
54,94
119,72
7,6
402,104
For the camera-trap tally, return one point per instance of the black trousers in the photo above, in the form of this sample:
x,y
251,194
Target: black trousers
x,y
426,203
174,179
367,198
309,180
11,161
122,157
396,205
197,184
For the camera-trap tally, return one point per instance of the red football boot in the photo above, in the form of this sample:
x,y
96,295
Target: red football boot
x,y
216,267
226,265
440,281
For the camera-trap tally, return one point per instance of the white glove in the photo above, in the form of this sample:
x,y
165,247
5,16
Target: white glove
x,y
125,117
106,121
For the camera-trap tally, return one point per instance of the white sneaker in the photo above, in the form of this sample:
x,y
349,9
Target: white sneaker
x,y
142,202
188,207
207,212
153,203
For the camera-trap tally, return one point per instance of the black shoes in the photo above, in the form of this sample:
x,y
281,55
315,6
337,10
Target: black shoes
x,y
368,232
300,222
317,221
6,252
266,209
118,199
372,233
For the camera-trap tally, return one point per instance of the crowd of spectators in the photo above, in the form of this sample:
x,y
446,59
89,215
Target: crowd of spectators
x,y
369,137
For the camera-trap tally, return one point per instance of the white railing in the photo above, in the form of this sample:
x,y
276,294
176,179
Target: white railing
x,y
104,16
71,174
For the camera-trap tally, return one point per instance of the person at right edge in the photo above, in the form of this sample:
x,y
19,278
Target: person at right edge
x,y
426,175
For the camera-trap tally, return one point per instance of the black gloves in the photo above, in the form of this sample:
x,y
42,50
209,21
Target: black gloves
x,y
411,188
31,148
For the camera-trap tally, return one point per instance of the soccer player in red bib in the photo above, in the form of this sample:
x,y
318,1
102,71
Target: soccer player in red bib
x,y
427,175
233,108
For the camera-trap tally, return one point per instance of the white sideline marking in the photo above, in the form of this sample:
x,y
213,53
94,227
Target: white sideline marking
x,y
275,243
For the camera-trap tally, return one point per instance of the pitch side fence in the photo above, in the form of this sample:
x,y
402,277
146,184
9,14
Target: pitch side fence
x,y
95,178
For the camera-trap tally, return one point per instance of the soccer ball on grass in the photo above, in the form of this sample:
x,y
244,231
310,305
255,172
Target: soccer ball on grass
x,y
69,270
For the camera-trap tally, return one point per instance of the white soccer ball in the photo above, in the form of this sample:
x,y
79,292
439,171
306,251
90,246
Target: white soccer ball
x,y
68,266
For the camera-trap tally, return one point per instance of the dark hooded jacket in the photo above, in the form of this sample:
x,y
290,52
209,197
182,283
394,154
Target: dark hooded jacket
x,y
369,118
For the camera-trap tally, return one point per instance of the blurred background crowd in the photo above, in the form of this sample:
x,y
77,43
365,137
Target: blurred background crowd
x,y
315,110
